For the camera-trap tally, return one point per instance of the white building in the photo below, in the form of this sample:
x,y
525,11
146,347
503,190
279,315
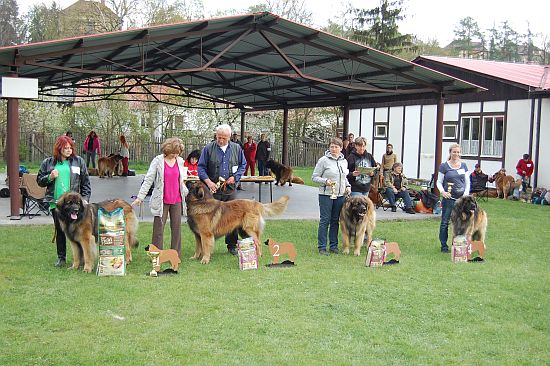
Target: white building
x,y
494,128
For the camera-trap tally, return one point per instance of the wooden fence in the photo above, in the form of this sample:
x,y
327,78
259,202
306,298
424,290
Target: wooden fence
x,y
35,147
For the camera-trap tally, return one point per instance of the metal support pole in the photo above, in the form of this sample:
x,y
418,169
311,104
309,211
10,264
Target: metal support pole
x,y
243,124
438,139
285,136
12,149
345,111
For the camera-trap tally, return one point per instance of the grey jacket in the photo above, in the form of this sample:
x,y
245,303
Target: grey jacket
x,y
155,175
334,169
80,180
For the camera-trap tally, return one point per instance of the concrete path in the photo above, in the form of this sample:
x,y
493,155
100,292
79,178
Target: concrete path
x,y
303,204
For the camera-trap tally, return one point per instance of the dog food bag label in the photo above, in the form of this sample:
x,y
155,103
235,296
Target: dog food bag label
x,y
459,249
248,259
111,229
376,253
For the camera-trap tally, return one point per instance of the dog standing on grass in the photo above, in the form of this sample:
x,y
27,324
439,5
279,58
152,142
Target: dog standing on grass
x,y
468,219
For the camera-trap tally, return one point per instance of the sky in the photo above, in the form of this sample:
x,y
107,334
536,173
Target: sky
x,y
428,19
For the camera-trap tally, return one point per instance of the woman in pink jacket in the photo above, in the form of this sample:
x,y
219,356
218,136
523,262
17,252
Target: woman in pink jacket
x,y
91,148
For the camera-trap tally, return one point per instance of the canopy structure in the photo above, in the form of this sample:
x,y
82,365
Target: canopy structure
x,y
251,62
258,61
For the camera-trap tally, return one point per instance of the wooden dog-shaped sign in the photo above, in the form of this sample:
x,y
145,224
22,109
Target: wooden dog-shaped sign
x,y
277,249
168,255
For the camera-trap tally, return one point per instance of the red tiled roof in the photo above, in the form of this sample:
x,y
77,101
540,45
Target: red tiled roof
x,y
536,76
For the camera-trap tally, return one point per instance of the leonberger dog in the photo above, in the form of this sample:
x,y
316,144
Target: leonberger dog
x,y
209,218
357,219
468,219
78,220
282,172
110,165
505,183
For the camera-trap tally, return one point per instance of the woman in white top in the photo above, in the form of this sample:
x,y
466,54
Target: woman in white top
x,y
125,153
330,173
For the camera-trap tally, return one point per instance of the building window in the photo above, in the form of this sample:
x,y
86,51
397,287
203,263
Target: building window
x,y
449,131
493,133
380,131
469,141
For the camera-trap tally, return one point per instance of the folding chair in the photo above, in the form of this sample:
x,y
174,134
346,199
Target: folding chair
x,y
33,197
478,187
382,200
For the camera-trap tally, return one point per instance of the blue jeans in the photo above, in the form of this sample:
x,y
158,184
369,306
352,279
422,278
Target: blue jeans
x,y
90,155
359,193
446,209
329,211
401,194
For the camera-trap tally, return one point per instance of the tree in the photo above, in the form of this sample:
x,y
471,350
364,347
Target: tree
x,y
157,12
43,23
469,39
378,28
9,23
294,10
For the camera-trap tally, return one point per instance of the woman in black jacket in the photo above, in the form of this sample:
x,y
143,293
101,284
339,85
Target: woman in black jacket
x,y
360,158
60,173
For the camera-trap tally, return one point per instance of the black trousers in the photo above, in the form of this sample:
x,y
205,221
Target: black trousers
x,y
232,237
60,239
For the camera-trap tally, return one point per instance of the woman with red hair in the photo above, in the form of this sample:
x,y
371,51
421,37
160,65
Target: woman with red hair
x,y
60,173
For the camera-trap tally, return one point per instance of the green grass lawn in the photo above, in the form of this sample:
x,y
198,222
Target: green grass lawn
x,y
326,310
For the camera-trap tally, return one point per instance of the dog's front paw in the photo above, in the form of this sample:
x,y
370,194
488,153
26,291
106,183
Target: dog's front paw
x,y
357,252
346,251
205,260
74,266
87,268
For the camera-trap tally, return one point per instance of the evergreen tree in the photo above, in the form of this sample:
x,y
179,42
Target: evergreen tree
x,y
9,23
43,23
378,27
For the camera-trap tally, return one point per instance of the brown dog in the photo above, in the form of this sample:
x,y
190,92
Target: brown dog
x,y
110,165
469,219
209,218
277,249
168,255
505,183
78,220
297,180
357,218
282,172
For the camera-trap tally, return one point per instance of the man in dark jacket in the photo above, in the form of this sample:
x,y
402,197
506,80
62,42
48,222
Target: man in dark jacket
x,y
262,154
223,158
357,159
63,172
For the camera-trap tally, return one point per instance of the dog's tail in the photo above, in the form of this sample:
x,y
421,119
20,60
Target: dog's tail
x,y
132,224
297,180
277,207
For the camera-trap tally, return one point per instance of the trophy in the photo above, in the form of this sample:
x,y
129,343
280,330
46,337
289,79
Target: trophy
x,y
155,261
333,195
450,187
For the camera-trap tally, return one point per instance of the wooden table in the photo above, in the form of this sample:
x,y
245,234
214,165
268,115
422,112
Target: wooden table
x,y
260,179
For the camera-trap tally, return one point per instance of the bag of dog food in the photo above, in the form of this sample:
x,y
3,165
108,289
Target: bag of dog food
x,y
111,230
459,249
376,253
248,259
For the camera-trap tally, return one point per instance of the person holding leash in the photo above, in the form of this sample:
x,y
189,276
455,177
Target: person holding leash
x,y
60,173
330,173
225,159
453,182
167,173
